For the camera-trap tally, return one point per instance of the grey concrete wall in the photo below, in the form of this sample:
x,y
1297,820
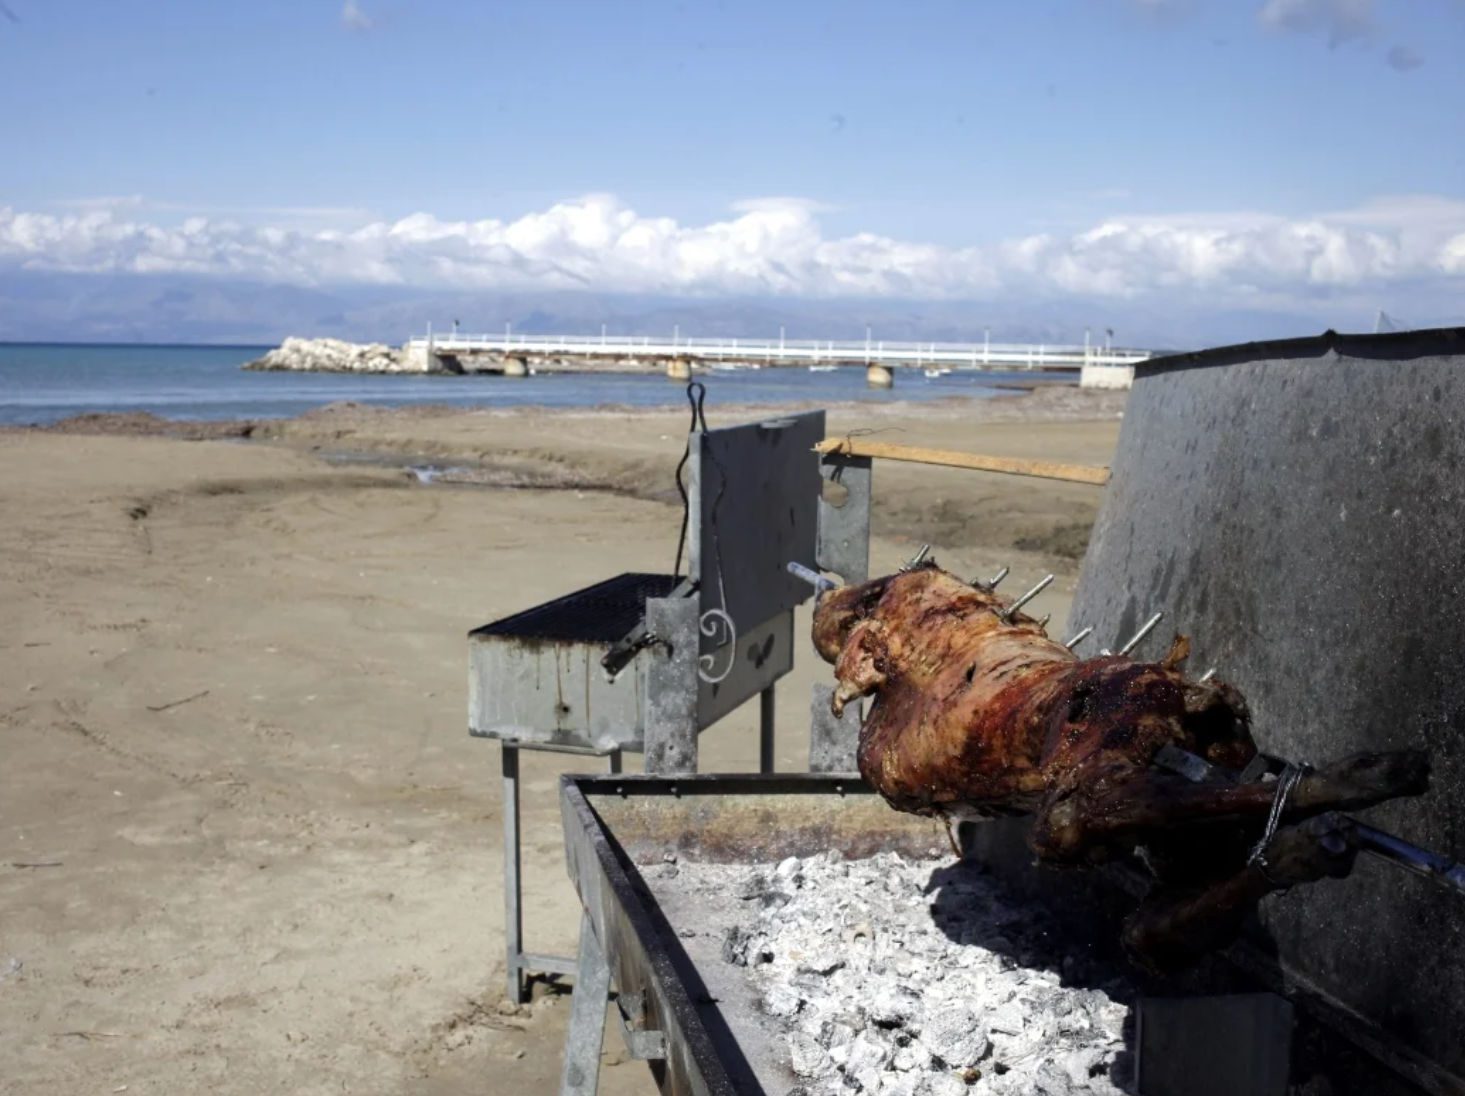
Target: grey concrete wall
x,y
1299,511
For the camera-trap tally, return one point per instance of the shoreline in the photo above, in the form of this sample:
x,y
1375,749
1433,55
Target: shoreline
x,y
631,452
1037,402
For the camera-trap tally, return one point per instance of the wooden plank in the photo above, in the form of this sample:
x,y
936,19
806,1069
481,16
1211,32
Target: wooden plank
x,y
952,458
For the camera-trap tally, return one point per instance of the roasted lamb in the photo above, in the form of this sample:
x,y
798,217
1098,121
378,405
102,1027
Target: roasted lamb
x,y
977,713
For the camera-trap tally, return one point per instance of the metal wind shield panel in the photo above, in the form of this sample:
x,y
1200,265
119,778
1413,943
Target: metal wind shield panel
x,y
1298,509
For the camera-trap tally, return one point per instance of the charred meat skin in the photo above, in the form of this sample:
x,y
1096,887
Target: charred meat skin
x,y
977,715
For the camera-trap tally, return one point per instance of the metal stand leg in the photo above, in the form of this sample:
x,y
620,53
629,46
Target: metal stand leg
x,y
613,761
513,895
833,743
671,686
580,1074
765,730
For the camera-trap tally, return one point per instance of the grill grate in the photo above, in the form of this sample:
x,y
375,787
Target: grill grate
x,y
602,613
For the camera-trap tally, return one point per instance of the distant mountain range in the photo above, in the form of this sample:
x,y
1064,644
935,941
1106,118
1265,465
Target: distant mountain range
x,y
51,307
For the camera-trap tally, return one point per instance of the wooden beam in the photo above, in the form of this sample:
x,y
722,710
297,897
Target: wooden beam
x,y
952,458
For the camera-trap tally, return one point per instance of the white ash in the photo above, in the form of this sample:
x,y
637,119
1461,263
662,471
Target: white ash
x,y
881,986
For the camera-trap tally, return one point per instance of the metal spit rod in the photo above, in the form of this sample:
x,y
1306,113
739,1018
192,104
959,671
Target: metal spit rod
x,y
1410,857
812,577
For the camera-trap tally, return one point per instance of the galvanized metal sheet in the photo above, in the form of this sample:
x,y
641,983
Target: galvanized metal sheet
x,y
543,692
671,686
757,488
833,740
844,522
1299,510
750,665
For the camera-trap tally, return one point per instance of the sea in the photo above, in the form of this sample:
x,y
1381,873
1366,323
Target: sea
x,y
41,383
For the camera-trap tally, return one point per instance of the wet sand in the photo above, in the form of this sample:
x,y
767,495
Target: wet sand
x,y
247,843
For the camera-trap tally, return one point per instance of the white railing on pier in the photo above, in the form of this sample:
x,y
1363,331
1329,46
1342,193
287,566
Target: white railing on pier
x,y
787,351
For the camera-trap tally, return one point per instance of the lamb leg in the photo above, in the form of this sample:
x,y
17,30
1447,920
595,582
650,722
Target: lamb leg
x,y
1110,809
1175,926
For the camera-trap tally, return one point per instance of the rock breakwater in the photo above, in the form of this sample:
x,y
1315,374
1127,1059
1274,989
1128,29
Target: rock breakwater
x,y
337,356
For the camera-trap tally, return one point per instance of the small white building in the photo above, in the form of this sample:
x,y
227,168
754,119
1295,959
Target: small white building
x,y
1106,375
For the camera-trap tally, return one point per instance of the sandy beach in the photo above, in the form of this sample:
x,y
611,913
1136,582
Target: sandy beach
x,y
248,845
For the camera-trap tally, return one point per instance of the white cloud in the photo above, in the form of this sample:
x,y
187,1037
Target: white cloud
x,y
772,246
1339,20
353,18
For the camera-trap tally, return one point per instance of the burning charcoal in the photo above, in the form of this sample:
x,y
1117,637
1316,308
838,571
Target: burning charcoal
x,y
836,1033
894,1006
734,946
944,1084
755,886
781,1000
1083,1065
954,1034
823,964
787,870
894,1084
807,1057
775,900
911,1057
867,1053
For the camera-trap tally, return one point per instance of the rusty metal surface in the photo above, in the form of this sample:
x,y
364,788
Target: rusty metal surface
x,y
1297,508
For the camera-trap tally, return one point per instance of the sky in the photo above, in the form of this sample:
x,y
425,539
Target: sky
x,y
1302,156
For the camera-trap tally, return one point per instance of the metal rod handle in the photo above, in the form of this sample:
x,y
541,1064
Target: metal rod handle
x,y
1432,865
812,577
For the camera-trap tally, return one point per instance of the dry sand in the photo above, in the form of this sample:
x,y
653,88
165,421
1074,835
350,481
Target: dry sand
x,y
245,842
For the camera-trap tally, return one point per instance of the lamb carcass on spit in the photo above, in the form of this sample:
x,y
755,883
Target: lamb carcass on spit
x,y
977,714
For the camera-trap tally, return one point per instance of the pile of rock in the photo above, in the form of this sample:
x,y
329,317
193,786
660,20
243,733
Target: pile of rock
x,y
882,989
337,356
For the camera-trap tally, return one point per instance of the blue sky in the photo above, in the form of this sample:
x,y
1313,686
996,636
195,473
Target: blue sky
x,y
1268,150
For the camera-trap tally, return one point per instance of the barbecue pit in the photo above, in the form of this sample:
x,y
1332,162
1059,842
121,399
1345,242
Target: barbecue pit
x,y
1231,467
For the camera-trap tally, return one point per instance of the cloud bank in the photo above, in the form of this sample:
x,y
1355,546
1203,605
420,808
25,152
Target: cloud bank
x,y
772,247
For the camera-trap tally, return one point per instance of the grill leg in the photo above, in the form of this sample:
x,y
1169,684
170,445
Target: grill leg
x,y
580,1074
513,895
671,686
765,730
832,742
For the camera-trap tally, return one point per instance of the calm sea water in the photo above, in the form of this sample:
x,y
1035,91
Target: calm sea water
x,y
40,383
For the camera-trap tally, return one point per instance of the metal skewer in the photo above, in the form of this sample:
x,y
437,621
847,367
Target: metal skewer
x,y
1145,629
1078,637
812,577
1042,585
917,559
998,577
1411,857
1208,675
